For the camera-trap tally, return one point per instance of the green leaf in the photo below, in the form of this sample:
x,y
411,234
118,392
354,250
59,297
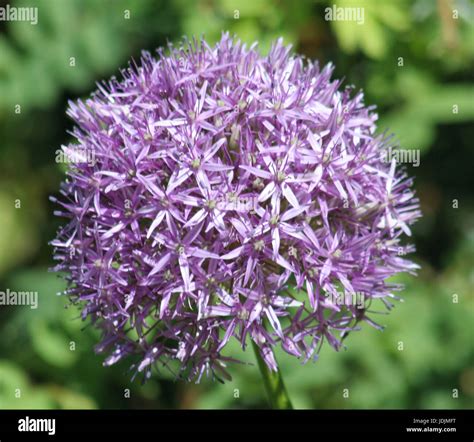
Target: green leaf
x,y
51,345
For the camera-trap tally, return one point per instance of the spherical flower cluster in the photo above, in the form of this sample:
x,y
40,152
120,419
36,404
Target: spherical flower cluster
x,y
232,196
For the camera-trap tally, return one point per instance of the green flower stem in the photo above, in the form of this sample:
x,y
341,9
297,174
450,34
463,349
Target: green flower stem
x,y
273,381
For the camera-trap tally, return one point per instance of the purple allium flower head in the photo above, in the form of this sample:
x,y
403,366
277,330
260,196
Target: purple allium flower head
x,y
232,195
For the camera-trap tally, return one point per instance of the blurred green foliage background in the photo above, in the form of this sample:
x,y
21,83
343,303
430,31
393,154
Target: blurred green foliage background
x,y
414,59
